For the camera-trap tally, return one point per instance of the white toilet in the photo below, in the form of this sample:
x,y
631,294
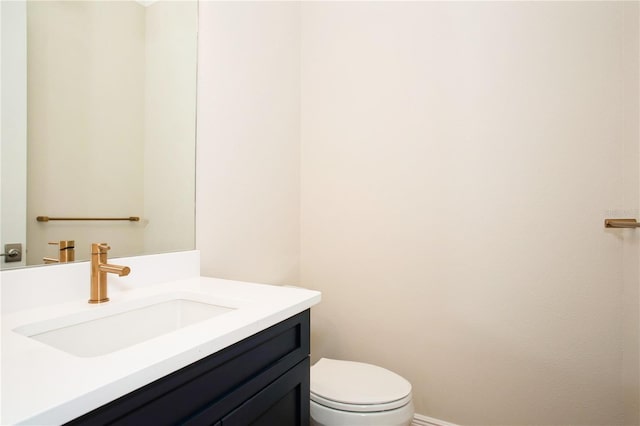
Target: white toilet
x,y
347,393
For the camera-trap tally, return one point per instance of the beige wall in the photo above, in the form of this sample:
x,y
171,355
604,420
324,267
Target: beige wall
x,y
85,124
248,178
170,126
458,160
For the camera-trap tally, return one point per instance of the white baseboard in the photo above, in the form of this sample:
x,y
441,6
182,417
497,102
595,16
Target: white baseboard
x,y
420,420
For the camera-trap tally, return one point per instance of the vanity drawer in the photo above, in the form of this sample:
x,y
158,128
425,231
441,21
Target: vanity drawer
x,y
207,390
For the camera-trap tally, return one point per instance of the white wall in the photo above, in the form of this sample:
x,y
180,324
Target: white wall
x,y
458,160
13,151
455,164
248,178
170,126
85,118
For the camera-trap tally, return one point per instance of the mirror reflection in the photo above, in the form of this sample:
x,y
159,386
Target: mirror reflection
x,y
110,127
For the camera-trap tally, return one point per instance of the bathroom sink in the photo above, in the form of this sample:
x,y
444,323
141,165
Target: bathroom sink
x,y
94,333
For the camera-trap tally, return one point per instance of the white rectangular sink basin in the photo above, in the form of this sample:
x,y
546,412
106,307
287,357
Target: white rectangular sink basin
x,y
84,335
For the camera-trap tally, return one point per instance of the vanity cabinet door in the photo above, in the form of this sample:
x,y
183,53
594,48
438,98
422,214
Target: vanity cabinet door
x,y
284,402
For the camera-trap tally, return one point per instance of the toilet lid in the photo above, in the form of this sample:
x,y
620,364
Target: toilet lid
x,y
355,386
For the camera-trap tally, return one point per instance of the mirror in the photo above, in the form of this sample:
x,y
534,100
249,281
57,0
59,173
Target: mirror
x,y
110,106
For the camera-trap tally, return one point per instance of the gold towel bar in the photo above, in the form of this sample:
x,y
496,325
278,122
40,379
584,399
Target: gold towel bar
x,y
621,223
47,218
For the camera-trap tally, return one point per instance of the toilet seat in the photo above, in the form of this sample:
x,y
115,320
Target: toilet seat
x,y
360,408
357,387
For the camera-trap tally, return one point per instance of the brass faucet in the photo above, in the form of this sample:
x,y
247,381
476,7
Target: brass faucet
x,y
67,252
99,270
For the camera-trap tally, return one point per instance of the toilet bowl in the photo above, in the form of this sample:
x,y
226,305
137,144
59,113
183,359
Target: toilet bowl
x,y
347,393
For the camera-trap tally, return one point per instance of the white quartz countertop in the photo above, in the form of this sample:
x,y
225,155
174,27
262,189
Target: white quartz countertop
x,y
43,385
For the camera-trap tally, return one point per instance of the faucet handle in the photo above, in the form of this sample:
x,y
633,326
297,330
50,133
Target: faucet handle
x,y
63,244
99,248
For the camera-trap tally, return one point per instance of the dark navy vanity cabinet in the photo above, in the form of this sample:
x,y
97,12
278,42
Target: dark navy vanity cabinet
x,y
261,380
